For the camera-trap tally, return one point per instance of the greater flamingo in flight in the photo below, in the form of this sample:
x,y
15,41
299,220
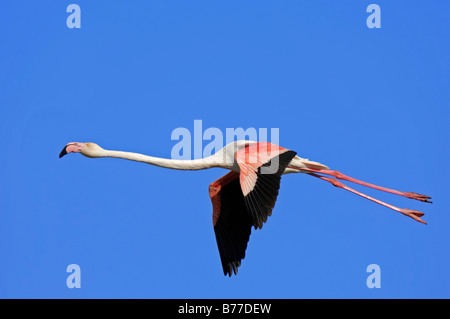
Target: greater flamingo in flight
x,y
246,195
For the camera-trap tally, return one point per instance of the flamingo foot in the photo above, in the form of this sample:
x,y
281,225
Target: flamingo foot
x,y
420,197
414,214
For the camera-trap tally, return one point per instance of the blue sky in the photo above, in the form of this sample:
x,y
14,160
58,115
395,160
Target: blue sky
x,y
371,103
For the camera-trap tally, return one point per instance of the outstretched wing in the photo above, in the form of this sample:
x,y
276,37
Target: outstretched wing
x,y
261,165
243,200
232,224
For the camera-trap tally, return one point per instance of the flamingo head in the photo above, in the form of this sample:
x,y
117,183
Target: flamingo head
x,y
86,149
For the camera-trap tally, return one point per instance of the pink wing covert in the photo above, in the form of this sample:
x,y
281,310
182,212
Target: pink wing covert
x,y
253,157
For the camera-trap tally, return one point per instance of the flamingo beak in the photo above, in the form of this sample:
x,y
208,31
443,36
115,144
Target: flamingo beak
x,y
72,148
63,152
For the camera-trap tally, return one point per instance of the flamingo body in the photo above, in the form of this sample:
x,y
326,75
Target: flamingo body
x,y
245,199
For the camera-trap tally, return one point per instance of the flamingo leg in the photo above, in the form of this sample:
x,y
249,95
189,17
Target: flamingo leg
x,y
414,214
341,176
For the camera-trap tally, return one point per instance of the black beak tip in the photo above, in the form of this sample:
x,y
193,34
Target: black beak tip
x,y
63,152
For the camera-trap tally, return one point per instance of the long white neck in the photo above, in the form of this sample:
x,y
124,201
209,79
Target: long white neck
x,y
195,164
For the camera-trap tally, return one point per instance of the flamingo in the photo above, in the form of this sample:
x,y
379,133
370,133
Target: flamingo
x,y
245,196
